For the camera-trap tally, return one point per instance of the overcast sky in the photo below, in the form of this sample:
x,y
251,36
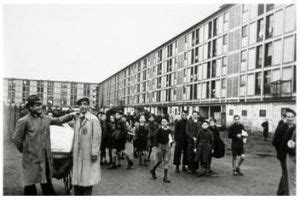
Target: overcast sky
x,y
88,43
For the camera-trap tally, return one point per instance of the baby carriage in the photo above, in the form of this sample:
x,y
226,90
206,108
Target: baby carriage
x,y
61,147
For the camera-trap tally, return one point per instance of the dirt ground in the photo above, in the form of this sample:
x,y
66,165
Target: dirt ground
x,y
262,174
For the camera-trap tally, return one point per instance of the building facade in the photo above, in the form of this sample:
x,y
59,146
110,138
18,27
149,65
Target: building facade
x,y
239,60
54,93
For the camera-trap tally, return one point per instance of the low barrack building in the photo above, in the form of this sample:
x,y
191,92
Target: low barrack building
x,y
52,93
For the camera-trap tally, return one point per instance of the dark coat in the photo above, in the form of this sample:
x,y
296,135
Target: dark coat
x,y
32,139
288,136
153,127
204,144
192,129
180,131
233,131
120,134
141,137
219,145
104,129
111,126
278,138
265,126
205,136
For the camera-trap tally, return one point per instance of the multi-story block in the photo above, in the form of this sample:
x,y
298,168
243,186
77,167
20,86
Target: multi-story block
x,y
55,93
239,60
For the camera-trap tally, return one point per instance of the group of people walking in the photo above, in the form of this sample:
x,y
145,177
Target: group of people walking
x,y
196,142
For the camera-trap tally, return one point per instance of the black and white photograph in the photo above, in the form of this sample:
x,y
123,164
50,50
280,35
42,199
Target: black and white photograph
x,y
149,99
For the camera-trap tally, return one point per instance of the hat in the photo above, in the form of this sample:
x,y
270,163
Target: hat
x,y
32,99
83,99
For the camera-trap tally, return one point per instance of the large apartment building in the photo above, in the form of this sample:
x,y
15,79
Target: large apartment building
x,y
239,60
54,93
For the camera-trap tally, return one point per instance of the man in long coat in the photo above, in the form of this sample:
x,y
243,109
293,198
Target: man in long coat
x,y
32,139
87,140
181,143
193,125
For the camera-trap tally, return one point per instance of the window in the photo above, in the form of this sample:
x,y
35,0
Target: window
x,y
243,81
196,52
215,24
260,9
213,89
64,92
223,83
226,17
195,37
269,26
86,90
225,39
158,82
244,31
159,69
11,91
138,77
245,14
231,112
258,83
169,65
73,94
40,89
278,23
159,55
262,113
214,48
289,50
209,29
145,61
270,7
169,50
207,90
250,84
50,92
213,70
258,56
26,89
226,21
267,81
277,52
252,33
260,33
290,19
245,8
208,70
209,50
268,54
224,65
244,56
194,56
244,113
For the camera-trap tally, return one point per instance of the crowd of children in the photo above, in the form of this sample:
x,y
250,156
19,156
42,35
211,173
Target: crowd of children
x,y
152,132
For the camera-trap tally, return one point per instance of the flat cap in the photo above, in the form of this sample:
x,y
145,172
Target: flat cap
x,y
83,99
32,99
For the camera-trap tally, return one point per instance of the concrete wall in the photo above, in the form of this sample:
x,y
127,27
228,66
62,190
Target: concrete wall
x,y
253,119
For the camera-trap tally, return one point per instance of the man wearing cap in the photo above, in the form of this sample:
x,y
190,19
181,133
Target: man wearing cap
x,y
32,139
86,150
